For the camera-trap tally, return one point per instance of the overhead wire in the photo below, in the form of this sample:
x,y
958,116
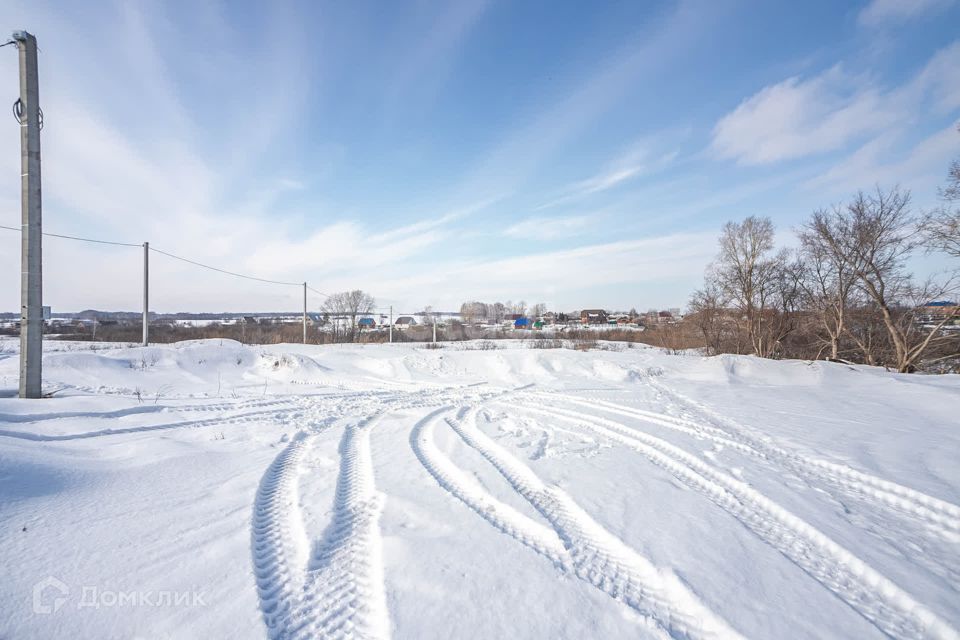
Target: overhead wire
x,y
60,235
176,257
229,273
321,293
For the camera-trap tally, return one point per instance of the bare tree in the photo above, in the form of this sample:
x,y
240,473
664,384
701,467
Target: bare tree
x,y
754,280
473,311
874,235
828,281
942,226
349,305
713,320
538,310
429,317
865,327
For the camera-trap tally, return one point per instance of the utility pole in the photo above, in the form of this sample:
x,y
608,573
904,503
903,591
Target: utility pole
x,y
146,293
391,323
27,110
434,327
304,313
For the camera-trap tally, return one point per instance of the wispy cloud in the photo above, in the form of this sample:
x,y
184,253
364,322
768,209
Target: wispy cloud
x,y
639,160
419,70
827,112
547,228
522,151
880,161
125,159
880,12
554,275
796,118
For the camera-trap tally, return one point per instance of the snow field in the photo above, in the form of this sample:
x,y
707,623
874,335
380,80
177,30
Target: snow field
x,y
390,491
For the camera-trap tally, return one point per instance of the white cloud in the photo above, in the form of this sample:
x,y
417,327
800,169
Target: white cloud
x,y
631,264
940,79
920,168
548,228
635,162
345,247
828,112
627,166
880,12
795,118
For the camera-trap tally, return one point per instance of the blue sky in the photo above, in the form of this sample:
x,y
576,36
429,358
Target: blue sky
x,y
579,154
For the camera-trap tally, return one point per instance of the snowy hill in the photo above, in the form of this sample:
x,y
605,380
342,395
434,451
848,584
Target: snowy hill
x,y
210,489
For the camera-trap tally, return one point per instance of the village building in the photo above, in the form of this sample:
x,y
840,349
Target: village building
x,y
593,316
404,322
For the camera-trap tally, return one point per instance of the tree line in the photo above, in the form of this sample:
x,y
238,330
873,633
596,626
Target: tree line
x,y
496,312
845,293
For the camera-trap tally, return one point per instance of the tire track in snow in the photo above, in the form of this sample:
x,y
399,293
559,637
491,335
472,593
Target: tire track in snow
x,y
907,496
465,488
344,593
204,422
599,557
279,542
337,590
868,592
941,517
233,406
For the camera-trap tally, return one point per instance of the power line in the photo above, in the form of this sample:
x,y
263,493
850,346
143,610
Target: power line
x,y
318,292
176,257
229,273
59,235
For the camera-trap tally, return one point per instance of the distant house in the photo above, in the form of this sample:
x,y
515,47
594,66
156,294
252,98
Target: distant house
x,y
940,308
521,323
664,317
366,323
593,316
405,321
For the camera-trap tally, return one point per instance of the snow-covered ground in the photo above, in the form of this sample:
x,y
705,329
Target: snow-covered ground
x,y
212,490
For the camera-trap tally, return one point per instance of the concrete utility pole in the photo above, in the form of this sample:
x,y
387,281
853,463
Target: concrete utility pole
x,y
304,313
391,323
146,293
434,327
31,282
